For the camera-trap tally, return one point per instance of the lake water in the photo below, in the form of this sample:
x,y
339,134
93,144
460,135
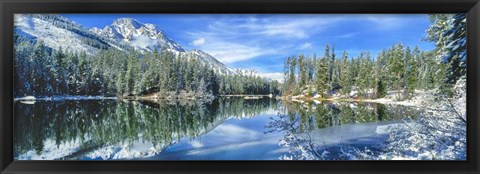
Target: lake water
x,y
223,129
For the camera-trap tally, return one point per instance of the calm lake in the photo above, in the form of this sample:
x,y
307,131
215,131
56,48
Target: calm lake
x,y
223,129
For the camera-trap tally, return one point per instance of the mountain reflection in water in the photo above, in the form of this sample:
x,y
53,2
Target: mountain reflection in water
x,y
225,128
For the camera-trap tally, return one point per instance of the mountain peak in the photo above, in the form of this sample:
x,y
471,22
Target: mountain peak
x,y
143,37
129,22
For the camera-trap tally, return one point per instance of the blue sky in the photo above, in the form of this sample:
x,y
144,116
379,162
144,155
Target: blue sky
x,y
262,42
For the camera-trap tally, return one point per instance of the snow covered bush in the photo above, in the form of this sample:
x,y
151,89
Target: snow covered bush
x,y
438,134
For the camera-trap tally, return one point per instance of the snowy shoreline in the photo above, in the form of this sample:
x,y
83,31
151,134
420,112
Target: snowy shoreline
x,y
419,98
57,98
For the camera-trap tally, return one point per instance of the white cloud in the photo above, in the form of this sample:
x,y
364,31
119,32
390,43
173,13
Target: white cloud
x,y
306,45
347,35
278,76
231,51
387,22
300,27
198,42
240,38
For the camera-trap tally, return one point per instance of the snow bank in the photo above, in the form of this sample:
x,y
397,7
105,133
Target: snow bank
x,y
26,98
59,98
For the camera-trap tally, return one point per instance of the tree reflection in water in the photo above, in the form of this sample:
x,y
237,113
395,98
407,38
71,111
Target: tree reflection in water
x,y
69,130
88,125
301,123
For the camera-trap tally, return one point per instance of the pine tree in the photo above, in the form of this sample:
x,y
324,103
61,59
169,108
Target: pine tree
x,y
120,81
411,71
286,76
22,68
60,72
302,70
36,59
321,82
345,75
334,81
361,82
131,75
293,65
448,31
313,68
397,66
381,88
85,74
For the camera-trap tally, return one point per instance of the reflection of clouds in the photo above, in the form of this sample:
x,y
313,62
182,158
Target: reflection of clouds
x,y
228,147
229,131
264,148
196,144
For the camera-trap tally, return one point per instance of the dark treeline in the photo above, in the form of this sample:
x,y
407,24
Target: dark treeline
x,y
112,122
40,71
398,68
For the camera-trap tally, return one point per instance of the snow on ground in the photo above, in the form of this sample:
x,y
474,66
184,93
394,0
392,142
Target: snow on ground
x,y
26,98
419,98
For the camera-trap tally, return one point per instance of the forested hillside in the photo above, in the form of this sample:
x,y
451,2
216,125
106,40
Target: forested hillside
x,y
46,72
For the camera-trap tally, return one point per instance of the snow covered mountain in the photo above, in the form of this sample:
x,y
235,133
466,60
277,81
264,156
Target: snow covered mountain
x,y
204,57
148,37
124,34
59,32
143,37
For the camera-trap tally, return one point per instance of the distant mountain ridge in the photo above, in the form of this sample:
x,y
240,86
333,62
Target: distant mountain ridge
x,y
123,34
59,32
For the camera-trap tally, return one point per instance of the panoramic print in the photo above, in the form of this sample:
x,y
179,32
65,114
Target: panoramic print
x,y
240,87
